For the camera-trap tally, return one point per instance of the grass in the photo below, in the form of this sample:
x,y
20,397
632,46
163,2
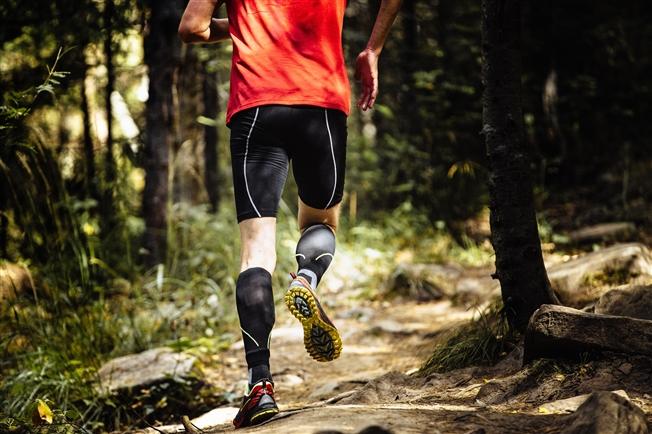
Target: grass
x,y
481,342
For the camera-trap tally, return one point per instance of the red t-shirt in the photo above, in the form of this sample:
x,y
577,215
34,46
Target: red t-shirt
x,y
287,52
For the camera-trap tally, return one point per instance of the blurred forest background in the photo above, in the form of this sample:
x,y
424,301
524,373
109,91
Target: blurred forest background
x,y
115,189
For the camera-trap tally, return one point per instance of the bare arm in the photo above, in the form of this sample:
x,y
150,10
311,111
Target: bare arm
x,y
198,25
366,65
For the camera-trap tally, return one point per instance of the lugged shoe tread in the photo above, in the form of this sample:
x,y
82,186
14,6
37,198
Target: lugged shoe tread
x,y
320,337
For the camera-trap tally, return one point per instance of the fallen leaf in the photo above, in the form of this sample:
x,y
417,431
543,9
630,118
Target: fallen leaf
x,y
42,413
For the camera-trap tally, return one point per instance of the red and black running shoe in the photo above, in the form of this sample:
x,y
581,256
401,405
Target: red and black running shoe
x,y
257,406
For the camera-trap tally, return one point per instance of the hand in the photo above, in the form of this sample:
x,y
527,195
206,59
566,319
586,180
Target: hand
x,y
366,72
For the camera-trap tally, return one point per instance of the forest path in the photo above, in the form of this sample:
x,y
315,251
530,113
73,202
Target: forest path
x,y
374,386
372,383
378,338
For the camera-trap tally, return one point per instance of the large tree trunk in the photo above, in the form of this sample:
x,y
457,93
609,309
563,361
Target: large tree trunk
x,y
187,99
162,54
211,174
107,200
89,149
410,57
514,234
109,165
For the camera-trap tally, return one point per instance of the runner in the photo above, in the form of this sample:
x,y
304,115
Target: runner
x,y
288,104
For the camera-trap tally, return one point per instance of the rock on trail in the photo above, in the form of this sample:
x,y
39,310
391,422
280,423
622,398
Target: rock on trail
x,y
607,413
583,280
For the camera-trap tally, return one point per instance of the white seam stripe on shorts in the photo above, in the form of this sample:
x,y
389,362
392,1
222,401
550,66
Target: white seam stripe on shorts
x,y
250,337
330,137
245,168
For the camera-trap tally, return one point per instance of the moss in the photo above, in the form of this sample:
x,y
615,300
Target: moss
x,y
608,277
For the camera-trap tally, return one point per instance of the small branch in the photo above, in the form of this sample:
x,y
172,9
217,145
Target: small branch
x,y
189,426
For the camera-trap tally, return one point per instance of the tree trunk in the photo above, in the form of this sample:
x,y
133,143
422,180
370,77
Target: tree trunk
x,y
410,55
107,200
4,221
211,174
514,234
110,85
89,150
162,54
188,100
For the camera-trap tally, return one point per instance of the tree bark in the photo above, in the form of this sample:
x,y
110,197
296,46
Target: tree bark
x,y
162,55
89,150
558,331
514,234
410,52
4,221
110,85
107,207
211,173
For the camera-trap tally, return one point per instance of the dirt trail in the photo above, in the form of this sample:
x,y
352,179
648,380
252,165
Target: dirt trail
x,y
373,382
378,338
372,387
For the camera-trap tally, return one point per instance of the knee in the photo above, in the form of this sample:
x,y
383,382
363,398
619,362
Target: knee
x,y
327,219
312,216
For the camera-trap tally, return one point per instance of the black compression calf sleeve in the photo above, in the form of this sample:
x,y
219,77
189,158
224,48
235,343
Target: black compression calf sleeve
x,y
315,252
255,303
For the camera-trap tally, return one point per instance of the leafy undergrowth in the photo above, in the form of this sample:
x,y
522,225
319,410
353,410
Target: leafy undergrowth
x,y
483,341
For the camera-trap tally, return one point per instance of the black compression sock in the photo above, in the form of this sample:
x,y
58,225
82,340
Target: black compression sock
x,y
255,303
315,252
257,373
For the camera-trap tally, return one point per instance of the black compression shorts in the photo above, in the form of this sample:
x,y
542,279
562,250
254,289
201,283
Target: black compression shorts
x,y
263,142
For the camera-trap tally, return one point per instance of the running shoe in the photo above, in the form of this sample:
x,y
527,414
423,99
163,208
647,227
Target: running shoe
x,y
320,337
257,406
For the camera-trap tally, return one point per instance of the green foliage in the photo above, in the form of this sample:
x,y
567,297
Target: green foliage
x,y
406,234
34,195
481,342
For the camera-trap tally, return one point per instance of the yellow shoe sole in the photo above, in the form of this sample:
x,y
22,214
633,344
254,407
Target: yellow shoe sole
x,y
263,416
321,339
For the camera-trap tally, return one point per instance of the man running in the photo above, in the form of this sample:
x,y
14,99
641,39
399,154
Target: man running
x,y
288,103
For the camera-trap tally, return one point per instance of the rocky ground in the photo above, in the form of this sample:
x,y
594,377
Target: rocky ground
x,y
376,385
